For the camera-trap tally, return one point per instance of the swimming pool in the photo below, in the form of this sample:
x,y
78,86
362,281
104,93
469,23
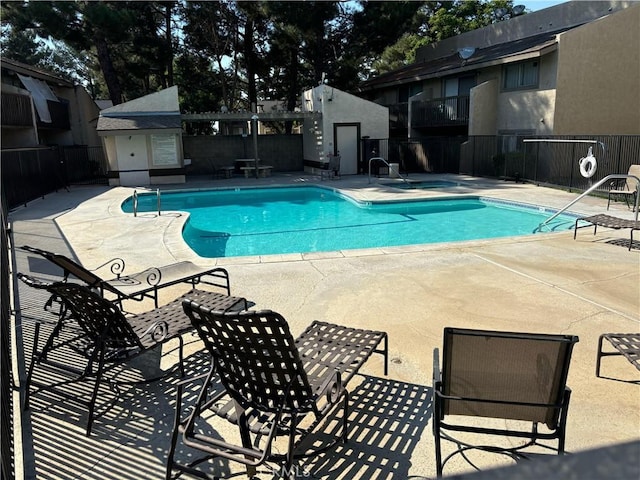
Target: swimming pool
x,y
277,220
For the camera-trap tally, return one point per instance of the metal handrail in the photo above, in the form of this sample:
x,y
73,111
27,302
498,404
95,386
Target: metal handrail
x,y
390,170
135,202
618,176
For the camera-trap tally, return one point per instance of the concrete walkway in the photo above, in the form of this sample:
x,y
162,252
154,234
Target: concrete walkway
x,y
543,283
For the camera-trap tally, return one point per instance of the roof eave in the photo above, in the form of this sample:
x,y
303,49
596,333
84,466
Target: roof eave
x,y
468,66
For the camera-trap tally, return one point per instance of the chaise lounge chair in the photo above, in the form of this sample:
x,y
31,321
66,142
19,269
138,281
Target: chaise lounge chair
x,y
137,286
104,335
272,386
516,377
608,221
625,344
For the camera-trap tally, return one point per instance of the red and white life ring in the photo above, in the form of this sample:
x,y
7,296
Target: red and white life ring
x,y
588,164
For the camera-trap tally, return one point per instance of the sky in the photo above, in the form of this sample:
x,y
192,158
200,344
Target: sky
x,y
535,5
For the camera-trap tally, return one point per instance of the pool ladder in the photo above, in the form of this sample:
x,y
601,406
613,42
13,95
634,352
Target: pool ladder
x,y
135,202
391,169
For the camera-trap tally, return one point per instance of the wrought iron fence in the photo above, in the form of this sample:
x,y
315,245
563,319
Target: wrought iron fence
x,y
7,460
548,160
29,173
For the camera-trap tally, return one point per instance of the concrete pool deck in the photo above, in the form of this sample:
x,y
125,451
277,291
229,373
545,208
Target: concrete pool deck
x,y
542,283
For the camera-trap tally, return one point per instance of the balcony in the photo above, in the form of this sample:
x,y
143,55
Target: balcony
x,y
59,112
440,112
16,110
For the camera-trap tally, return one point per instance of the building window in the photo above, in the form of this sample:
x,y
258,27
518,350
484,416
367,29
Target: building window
x,y
520,75
408,90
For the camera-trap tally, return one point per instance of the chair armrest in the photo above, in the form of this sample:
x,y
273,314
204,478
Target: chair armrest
x,y
437,374
219,277
115,266
33,282
151,276
332,388
157,331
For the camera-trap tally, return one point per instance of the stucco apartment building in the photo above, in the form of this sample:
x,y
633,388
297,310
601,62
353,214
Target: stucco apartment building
x,y
39,108
572,69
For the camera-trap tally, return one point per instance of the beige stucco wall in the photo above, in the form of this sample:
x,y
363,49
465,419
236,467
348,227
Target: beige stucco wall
x,y
598,85
494,110
483,108
84,118
525,110
337,106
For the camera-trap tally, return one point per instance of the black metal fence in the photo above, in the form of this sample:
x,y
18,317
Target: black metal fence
x,y
29,173
542,160
7,463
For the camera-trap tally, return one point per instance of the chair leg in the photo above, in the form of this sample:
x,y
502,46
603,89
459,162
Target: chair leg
x,y
435,418
38,357
288,466
96,387
599,355
345,420
181,355
174,433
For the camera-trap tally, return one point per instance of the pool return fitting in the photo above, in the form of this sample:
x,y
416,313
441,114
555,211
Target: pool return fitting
x,y
391,169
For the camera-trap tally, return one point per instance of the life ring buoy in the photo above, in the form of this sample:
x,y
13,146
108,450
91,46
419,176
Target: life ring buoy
x,y
588,165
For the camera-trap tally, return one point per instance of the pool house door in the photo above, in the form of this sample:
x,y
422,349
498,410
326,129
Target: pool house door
x,y
347,145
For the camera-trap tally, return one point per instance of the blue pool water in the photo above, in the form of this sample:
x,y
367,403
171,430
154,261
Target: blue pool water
x,y
262,221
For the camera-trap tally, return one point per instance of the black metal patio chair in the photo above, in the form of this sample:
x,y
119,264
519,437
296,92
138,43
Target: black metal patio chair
x,y
105,337
516,377
272,384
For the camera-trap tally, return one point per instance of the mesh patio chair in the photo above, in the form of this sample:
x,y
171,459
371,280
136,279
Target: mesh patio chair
x,y
518,377
627,188
139,285
105,337
272,384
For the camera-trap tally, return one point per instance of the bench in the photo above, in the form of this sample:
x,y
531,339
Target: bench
x,y
625,344
608,221
263,171
225,171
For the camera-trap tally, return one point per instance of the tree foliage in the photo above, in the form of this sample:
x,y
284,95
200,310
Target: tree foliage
x,y
230,54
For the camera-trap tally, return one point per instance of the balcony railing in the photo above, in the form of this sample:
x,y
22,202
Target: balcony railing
x,y
16,110
440,112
